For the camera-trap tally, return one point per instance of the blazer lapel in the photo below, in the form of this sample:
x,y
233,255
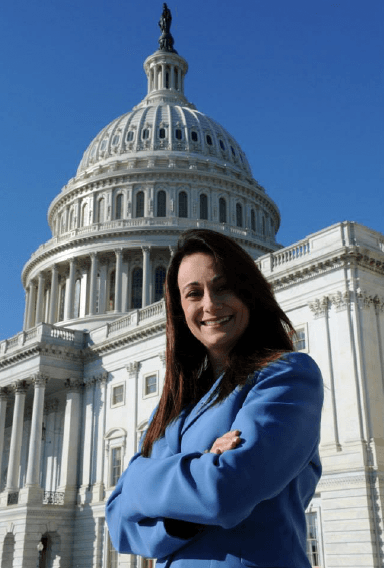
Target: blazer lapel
x,y
200,407
173,432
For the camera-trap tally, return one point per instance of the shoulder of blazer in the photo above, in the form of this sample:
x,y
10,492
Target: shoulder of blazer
x,y
294,360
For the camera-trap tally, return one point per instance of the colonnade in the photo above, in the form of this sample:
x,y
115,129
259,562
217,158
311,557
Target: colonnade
x,y
19,390
53,296
70,444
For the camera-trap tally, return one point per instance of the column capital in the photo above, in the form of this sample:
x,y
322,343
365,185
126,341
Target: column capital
x,y
73,385
93,255
54,268
119,251
133,369
319,306
172,250
39,380
146,249
102,379
19,387
162,357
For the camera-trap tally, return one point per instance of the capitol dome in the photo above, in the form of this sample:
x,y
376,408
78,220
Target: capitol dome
x,y
148,175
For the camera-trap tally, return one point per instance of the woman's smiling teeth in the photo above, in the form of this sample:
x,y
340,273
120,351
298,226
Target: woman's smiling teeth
x,y
216,321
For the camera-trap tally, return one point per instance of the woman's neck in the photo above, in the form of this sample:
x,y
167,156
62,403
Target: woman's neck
x,y
217,362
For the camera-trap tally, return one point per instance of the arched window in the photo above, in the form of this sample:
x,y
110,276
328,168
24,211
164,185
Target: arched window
x,y
101,210
112,289
119,206
222,205
140,204
61,311
77,298
203,212
137,288
160,276
84,217
253,220
161,204
63,224
239,216
182,204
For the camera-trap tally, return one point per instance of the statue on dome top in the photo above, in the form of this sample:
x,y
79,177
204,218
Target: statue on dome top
x,y
166,41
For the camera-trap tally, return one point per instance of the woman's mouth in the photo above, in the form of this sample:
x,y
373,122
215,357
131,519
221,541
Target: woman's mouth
x,y
214,322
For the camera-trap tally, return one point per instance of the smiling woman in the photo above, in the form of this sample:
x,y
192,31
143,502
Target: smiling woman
x,y
230,459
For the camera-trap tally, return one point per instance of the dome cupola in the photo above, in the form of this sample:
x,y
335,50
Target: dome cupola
x,y
151,173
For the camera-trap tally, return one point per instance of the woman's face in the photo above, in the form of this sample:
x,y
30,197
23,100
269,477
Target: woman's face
x,y
213,312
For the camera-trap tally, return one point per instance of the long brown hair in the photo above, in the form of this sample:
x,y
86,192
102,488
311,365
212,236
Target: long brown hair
x,y
267,336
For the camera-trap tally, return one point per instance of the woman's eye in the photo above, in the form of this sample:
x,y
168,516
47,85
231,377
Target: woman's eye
x,y
192,294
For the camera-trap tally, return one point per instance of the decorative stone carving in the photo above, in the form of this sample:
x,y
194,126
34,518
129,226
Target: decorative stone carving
x,y
162,357
133,369
364,300
340,300
19,387
39,380
319,307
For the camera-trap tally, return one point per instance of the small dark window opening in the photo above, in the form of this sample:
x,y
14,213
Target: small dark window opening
x,y
233,152
167,80
162,133
130,136
178,134
146,134
209,140
194,136
239,216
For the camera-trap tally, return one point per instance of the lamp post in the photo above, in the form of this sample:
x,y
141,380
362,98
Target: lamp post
x,y
40,548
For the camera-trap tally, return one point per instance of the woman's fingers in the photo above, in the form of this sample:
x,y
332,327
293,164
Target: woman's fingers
x,y
228,441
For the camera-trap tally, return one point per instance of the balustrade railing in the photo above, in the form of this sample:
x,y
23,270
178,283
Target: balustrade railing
x,y
13,498
137,316
53,498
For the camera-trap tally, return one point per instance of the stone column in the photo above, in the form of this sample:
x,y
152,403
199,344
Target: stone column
x,y
133,373
119,277
70,290
87,441
53,294
25,321
3,409
20,388
172,251
39,302
146,276
39,381
100,409
31,305
71,440
93,284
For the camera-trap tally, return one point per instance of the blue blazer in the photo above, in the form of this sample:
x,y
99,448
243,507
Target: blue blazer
x,y
249,502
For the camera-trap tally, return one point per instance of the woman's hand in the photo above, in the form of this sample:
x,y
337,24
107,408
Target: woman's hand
x,y
228,441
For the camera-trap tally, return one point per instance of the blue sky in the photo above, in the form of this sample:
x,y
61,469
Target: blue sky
x,y
298,83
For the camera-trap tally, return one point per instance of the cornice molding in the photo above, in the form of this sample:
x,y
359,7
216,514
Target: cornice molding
x,y
316,268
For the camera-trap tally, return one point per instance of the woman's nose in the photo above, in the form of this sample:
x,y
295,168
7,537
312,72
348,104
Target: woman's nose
x,y
211,302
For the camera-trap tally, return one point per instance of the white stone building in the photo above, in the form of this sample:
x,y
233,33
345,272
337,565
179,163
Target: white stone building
x,y
78,384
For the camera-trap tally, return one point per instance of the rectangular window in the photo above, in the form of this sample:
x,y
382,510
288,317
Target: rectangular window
x,y
150,385
300,339
147,563
116,465
312,540
118,395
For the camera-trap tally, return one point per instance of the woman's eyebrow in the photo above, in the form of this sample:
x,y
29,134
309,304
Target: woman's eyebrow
x,y
190,284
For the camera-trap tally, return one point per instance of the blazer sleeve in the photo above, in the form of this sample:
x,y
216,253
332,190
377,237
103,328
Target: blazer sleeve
x,y
147,537
280,425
